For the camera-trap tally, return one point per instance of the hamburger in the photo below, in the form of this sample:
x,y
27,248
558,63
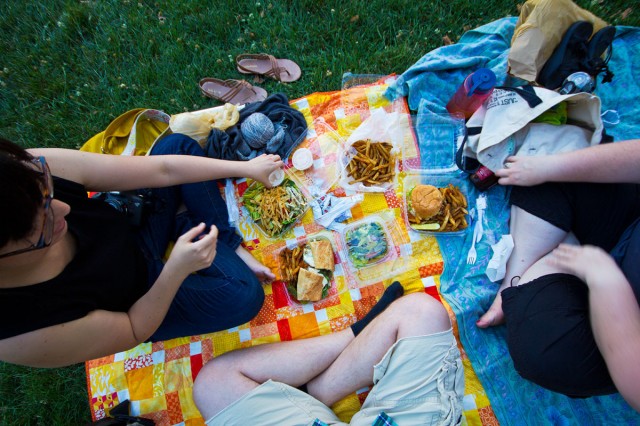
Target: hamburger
x,y
424,201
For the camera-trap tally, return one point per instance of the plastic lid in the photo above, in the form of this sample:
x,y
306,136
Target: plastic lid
x,y
276,177
302,159
482,80
431,142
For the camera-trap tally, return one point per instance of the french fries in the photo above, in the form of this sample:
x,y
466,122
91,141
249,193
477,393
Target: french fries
x,y
373,163
291,264
452,215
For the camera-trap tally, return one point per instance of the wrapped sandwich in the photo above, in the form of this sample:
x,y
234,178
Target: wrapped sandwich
x,y
316,277
307,270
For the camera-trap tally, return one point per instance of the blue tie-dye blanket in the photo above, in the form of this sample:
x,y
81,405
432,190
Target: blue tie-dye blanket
x,y
429,84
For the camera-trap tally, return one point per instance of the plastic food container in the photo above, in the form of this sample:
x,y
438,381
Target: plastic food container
x,y
459,180
288,193
324,144
439,136
371,247
276,263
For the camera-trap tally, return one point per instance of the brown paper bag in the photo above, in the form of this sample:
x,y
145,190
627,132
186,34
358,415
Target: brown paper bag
x,y
539,29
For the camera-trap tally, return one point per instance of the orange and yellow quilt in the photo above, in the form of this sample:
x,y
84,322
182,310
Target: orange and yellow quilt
x,y
158,377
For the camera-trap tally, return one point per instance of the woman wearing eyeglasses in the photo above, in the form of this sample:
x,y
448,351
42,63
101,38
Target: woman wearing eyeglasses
x,y
78,282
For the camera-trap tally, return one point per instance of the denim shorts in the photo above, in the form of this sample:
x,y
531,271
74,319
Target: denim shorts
x,y
419,381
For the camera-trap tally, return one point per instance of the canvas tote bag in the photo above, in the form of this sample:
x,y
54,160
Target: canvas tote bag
x,y
502,126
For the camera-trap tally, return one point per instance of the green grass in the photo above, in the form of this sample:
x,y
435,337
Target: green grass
x,y
69,67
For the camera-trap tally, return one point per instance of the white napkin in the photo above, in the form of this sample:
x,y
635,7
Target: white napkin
x,y
330,210
497,266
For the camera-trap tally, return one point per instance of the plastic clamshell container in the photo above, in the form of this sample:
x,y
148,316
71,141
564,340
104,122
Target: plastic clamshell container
x,y
379,267
325,144
438,137
458,180
303,210
274,261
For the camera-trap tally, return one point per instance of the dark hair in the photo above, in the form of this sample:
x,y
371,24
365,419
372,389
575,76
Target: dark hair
x,y
20,192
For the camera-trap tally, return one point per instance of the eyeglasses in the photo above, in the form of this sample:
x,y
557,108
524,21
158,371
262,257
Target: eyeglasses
x,y
46,234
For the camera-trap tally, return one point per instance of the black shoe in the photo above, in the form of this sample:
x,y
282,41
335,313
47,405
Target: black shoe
x,y
600,42
568,57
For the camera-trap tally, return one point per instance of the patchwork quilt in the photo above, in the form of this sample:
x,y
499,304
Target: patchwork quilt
x,y
158,377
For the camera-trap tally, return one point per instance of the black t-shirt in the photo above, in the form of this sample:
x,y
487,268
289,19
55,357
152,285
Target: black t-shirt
x,y
108,271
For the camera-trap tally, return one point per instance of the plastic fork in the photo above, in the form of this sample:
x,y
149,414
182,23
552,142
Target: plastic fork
x,y
473,254
481,205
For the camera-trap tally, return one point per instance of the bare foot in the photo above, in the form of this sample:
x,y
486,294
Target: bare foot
x,y
263,273
494,315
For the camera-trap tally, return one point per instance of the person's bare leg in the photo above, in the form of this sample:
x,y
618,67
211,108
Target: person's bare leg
x,y
233,374
533,238
416,314
228,377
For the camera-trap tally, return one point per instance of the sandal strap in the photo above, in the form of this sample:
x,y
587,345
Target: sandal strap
x,y
235,87
275,70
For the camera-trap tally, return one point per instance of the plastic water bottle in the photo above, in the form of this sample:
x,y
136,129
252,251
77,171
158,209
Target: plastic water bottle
x,y
475,89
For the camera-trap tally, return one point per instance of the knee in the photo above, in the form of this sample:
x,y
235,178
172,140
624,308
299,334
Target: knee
x,y
422,313
211,382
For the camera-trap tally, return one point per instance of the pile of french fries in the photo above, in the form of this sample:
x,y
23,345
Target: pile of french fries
x,y
373,163
452,215
291,264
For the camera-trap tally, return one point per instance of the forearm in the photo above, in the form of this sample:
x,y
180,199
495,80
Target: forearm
x,y
100,172
612,162
615,320
149,311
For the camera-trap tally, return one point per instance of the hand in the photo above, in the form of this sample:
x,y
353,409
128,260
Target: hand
x,y
261,167
524,171
589,263
263,273
191,253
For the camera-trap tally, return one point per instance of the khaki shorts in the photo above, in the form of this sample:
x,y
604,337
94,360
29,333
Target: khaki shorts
x,y
419,381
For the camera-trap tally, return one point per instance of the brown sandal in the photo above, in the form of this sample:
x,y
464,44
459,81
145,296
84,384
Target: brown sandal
x,y
238,92
284,70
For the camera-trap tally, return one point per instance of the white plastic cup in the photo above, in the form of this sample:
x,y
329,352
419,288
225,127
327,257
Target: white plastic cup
x,y
302,159
276,177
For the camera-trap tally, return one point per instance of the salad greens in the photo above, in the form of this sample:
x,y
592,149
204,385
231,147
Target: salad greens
x,y
366,244
274,208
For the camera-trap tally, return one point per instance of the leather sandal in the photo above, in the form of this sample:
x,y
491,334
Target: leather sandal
x,y
237,92
284,70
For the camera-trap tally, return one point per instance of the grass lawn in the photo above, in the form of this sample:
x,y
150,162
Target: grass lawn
x,y
69,67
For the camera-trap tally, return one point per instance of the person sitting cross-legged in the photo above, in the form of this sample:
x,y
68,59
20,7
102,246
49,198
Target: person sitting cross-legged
x,y
407,352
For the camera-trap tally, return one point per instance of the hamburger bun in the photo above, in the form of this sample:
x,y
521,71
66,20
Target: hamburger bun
x,y
426,201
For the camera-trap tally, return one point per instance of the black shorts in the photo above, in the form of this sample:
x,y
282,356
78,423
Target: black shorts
x,y
550,339
548,328
596,213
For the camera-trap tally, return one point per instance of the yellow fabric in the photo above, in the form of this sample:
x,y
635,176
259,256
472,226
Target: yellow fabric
x,y
539,29
115,137
166,389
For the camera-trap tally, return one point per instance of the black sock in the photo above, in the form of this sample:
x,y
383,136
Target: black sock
x,y
392,292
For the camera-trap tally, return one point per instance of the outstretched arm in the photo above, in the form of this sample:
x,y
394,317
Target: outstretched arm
x,y
99,172
615,314
611,162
